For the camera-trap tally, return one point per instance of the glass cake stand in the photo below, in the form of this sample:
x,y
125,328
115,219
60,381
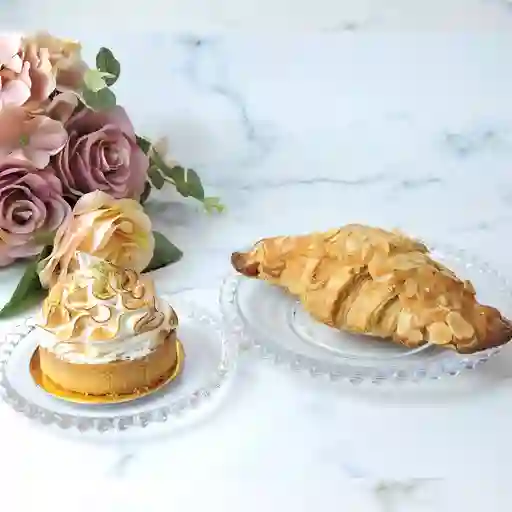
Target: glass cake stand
x,y
209,362
267,319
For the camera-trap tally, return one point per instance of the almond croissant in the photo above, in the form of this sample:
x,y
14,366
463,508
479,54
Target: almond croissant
x,y
370,281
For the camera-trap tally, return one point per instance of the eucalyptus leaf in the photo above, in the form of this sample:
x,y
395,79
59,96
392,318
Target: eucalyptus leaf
x,y
143,143
177,175
186,181
29,290
100,100
157,180
213,204
145,194
164,254
158,160
95,80
194,185
107,63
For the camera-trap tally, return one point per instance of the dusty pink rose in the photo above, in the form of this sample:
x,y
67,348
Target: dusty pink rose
x,y
26,75
31,137
31,203
101,154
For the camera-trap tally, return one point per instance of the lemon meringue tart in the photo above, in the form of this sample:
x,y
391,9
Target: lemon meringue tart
x,y
104,332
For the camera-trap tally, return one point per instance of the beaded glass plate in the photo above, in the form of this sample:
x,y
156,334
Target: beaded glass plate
x,y
265,318
209,362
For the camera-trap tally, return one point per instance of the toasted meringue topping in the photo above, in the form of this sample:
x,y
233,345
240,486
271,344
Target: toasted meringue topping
x,y
103,313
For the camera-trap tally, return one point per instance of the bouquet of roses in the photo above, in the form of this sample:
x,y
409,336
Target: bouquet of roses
x,y
73,173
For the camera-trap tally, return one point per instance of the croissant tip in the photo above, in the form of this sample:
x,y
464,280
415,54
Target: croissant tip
x,y
238,260
504,331
498,334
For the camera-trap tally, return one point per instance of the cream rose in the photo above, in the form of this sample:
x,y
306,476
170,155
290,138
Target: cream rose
x,y
116,230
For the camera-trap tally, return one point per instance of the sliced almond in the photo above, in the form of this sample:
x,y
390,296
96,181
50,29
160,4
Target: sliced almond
x,y
411,288
383,246
378,266
468,286
415,336
351,245
439,333
460,327
404,324
443,300
448,273
403,262
366,252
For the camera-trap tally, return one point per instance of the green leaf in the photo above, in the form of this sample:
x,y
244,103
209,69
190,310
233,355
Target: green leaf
x,y
157,180
107,63
194,185
164,254
146,193
186,181
213,204
29,290
177,176
143,143
95,80
100,100
159,161
44,238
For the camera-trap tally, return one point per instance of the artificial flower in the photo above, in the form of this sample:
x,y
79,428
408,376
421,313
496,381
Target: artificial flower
x,y
116,230
26,75
31,137
31,204
101,154
64,56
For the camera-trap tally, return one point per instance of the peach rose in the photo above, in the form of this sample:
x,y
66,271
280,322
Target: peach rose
x,y
64,56
116,230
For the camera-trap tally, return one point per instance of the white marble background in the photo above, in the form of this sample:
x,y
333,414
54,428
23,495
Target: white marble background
x,y
303,115
259,16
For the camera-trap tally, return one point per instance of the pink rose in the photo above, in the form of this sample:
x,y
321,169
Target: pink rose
x,y
26,75
31,203
31,137
101,154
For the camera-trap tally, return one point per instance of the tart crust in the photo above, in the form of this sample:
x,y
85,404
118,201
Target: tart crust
x,y
114,378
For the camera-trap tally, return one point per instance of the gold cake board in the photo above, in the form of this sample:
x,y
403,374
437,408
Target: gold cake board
x,y
71,396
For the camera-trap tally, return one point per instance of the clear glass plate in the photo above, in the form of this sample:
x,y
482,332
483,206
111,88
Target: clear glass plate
x,y
209,363
266,318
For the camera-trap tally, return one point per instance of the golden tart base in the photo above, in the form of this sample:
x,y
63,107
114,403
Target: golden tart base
x,y
45,383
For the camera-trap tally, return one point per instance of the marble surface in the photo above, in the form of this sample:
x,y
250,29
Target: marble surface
x,y
261,16
399,128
